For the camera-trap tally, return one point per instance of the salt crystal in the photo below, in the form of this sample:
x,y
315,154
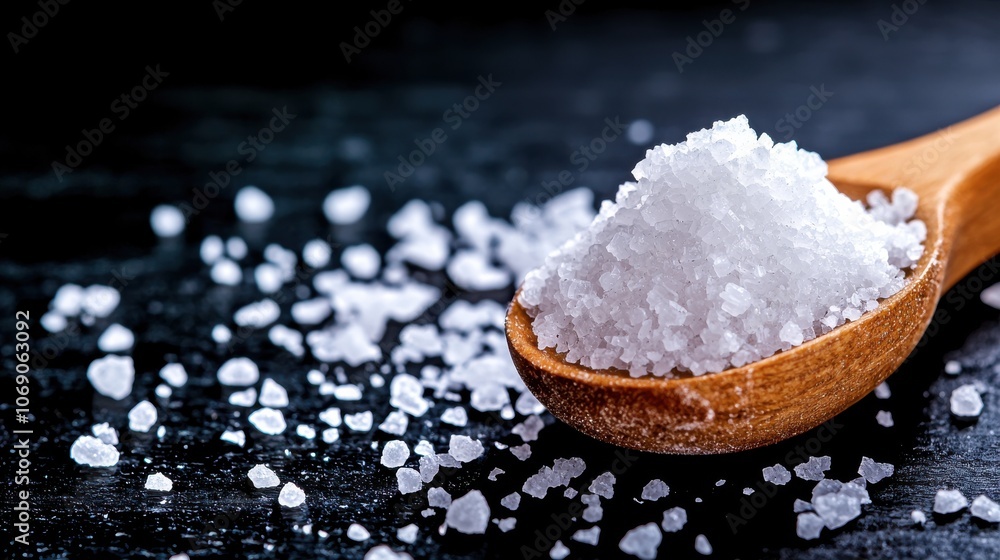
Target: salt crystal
x,y
263,477
346,205
952,367
639,132
405,394
99,301
801,505
316,253
359,422
469,514
305,431
884,418
112,376
588,536
361,261
331,416
991,296
522,452
882,391
495,473
331,435
472,270
723,208
394,454
142,417
642,542
507,524
163,391
291,496
407,534
720,482
570,493
395,423
166,220
174,374
949,501
221,334
159,483
748,491
115,338
604,485
253,205
347,343
511,501
527,404
238,372
966,402
777,474
246,397
347,393
315,377
874,472
180,556
837,508
465,449
272,395
268,420
594,512
674,519
456,416
383,552
702,545
438,498
68,300
258,314
654,490
528,430
53,322
268,278
558,551
236,437
90,451
808,526
287,338
105,433
429,466
408,480
226,272
211,249
813,469
985,509
311,311
358,533
918,517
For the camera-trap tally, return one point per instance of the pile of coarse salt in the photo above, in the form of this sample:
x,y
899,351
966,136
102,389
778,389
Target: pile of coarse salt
x,y
726,249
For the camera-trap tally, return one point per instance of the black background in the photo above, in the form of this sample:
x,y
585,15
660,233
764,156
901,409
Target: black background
x,y
353,120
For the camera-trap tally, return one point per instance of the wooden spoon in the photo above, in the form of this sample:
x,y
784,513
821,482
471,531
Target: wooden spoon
x,y
956,173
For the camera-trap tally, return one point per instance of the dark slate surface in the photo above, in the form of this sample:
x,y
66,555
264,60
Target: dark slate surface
x,y
557,88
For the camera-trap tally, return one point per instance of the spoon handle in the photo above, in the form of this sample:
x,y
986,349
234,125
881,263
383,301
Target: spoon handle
x,y
956,173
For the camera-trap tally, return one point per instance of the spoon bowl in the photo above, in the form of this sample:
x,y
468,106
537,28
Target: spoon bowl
x,y
956,174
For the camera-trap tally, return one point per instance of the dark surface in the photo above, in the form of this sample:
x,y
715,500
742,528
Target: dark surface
x,y
352,122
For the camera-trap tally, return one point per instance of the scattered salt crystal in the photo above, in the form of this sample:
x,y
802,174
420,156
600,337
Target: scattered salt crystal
x,y
570,493
777,474
395,453
472,270
837,508
115,338
966,402
884,418
511,501
674,519
702,545
639,132
882,391
331,416
801,505
813,469
68,300
359,422
287,338
918,517
105,433
469,514
53,322
112,376
347,393
991,296
226,272
347,343
235,437
558,551
395,423
361,261
346,205
311,311
315,377
268,420
291,496
985,509
142,417
181,556
358,533
465,449
305,431
163,391
405,393
949,501
268,278
495,473
383,552
246,397
528,430
263,477
429,466
808,526
253,205
507,524
407,534
408,480
588,536
174,374
456,416
316,253
720,482
874,472
238,372
952,367
331,435
99,301
748,491
522,452
258,314
527,404
604,485
438,498
594,512
166,220
221,334
211,249
272,395
654,490
159,483
93,452
642,542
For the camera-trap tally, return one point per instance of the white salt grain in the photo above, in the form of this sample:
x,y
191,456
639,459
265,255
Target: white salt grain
x,y
263,477
604,486
966,402
588,536
594,512
105,433
654,490
394,454
159,483
522,452
268,420
258,314
305,431
952,367
407,534
383,552
884,418
358,533
212,248
361,261
291,496
408,480
359,422
272,395
456,416
238,372
511,501
777,474
674,519
237,437
246,397
874,472
174,374
991,296
558,551
438,498
949,501
163,391
226,272
253,205
918,517
90,451
528,430
464,448
985,509
507,524
112,376
331,435
642,542
53,322
100,301
142,417
167,221
813,469
331,416
395,423
311,311
347,205
268,278
221,334
702,545
692,251
115,338
495,473
882,391
808,526
316,253
469,514
639,132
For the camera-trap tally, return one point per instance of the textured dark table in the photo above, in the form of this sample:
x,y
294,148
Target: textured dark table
x,y
557,88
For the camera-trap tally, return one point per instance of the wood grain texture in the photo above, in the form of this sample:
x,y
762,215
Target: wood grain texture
x,y
956,173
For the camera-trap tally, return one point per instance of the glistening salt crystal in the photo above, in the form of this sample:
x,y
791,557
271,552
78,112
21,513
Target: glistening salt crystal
x,y
166,221
642,542
253,205
142,417
115,338
395,453
268,420
90,451
159,483
346,205
469,514
949,501
291,496
112,376
174,374
238,372
726,249
966,402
